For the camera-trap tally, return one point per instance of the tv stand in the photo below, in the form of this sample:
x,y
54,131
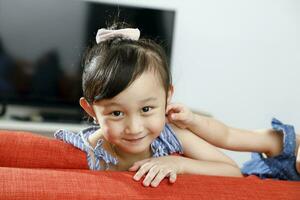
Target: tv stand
x,y
39,121
2,109
61,117
42,128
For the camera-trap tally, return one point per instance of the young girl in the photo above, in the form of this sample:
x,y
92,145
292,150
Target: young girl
x,y
127,91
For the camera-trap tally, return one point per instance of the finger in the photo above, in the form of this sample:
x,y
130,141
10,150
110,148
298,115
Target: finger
x,y
179,121
142,171
169,107
159,177
133,168
150,176
172,177
177,116
169,117
138,164
173,115
174,107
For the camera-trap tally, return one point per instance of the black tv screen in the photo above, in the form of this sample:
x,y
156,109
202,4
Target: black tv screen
x,y
42,43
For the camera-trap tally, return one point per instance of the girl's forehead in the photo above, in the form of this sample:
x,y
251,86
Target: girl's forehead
x,y
146,87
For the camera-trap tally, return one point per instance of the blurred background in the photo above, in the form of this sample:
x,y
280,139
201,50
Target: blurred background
x,y
238,60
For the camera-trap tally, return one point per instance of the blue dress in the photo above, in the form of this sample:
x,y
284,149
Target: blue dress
x,y
282,166
165,144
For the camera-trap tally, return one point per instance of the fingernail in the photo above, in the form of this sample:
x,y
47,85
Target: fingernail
x,y
136,178
172,180
153,184
146,184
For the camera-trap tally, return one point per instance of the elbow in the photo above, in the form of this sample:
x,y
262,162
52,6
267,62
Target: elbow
x,y
232,168
227,170
233,171
233,163
227,160
237,172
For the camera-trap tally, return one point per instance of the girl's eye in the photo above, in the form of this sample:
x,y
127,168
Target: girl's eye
x,y
146,109
117,113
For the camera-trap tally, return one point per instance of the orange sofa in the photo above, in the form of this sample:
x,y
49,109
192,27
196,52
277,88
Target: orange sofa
x,y
36,167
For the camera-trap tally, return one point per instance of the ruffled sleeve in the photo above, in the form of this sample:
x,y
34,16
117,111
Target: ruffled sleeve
x,y
80,140
167,143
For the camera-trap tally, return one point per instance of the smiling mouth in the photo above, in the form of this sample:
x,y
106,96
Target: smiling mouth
x,y
135,139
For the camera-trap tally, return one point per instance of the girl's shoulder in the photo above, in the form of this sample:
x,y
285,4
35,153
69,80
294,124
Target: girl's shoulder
x,y
177,132
166,143
183,136
98,157
76,139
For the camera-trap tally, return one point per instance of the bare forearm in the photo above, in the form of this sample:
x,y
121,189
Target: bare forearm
x,y
220,135
211,130
191,166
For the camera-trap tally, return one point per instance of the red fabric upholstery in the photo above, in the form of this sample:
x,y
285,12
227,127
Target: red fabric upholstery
x,y
20,183
25,160
24,149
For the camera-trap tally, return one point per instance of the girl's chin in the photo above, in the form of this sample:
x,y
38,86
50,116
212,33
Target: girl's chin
x,y
135,148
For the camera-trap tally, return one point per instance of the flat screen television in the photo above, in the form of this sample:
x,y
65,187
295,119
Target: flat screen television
x,y
42,43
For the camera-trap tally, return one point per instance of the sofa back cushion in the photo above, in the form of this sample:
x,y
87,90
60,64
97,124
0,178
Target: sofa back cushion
x,y
74,184
28,150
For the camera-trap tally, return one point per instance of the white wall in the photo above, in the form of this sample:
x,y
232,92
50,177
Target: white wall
x,y
237,59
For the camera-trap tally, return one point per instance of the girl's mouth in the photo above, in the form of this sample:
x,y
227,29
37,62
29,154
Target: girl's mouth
x,y
134,140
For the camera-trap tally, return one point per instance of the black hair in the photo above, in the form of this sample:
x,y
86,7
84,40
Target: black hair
x,y
112,65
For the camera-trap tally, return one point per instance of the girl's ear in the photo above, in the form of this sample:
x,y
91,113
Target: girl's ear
x,y
87,107
170,94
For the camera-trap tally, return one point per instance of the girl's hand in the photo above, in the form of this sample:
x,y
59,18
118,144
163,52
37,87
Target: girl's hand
x,y
156,169
179,115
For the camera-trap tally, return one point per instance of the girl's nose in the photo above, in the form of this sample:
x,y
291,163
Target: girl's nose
x,y
134,125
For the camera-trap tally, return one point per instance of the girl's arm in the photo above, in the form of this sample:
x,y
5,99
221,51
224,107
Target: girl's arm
x,y
220,135
202,157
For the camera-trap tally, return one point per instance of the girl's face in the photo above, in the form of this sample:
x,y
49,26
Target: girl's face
x,y
135,117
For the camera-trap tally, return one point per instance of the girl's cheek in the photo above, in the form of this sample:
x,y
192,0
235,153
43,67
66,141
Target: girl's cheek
x,y
157,123
111,129
108,135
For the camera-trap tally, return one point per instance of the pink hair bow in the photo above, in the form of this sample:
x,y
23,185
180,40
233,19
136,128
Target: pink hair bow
x,y
128,33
